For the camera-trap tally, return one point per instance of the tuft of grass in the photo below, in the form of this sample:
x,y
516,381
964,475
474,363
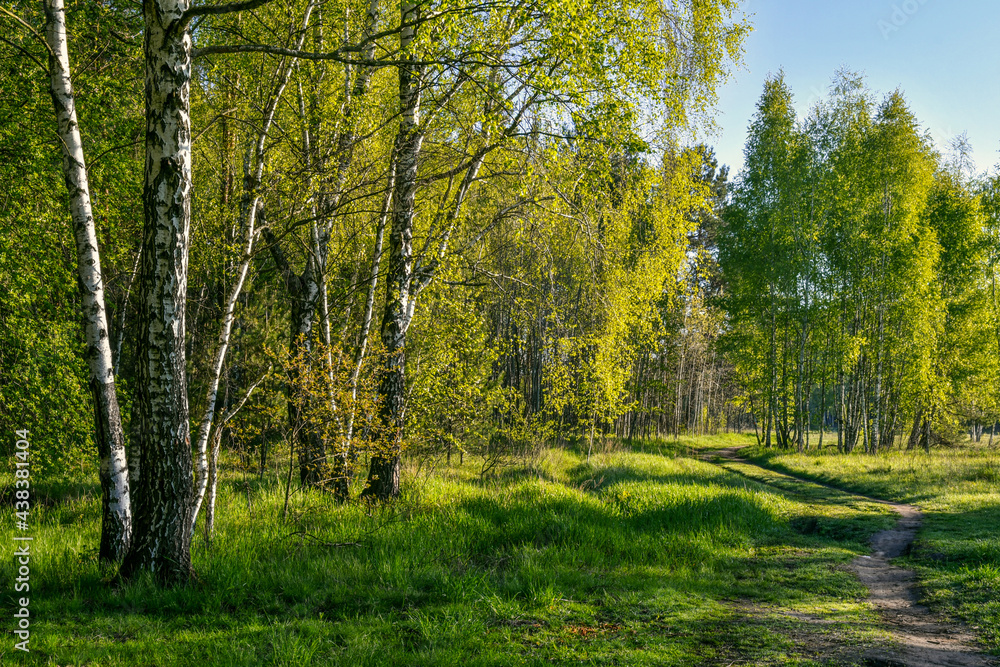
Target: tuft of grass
x,y
640,556
957,552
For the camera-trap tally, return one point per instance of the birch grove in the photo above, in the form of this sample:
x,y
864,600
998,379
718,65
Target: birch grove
x,y
481,189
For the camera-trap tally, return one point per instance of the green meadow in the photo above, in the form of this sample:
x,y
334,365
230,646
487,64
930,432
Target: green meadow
x,y
641,556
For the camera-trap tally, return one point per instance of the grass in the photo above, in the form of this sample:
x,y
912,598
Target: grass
x,y
957,553
639,557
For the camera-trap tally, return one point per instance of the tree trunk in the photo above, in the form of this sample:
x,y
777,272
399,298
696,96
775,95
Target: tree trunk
x,y
304,291
383,472
116,510
841,413
312,449
914,431
250,205
799,377
212,478
927,432
876,421
342,458
218,360
822,398
341,461
161,542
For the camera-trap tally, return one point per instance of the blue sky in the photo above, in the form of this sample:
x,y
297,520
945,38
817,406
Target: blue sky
x,y
943,54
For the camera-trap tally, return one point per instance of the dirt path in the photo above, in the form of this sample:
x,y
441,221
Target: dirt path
x,y
924,640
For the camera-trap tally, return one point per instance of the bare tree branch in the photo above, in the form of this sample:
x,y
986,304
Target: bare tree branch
x,y
30,29
212,10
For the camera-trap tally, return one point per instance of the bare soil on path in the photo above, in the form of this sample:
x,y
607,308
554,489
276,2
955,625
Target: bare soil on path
x,y
921,638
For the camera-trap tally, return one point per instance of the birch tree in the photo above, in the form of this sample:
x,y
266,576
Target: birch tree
x,y
116,514
161,541
251,204
534,61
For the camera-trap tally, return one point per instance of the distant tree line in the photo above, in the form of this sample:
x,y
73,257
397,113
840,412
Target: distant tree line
x,y
860,269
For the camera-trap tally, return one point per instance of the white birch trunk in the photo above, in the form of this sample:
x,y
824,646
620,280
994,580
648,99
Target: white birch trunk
x,y
218,360
213,461
116,515
366,321
161,543
384,467
252,195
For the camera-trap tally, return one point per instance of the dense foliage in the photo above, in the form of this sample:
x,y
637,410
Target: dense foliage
x,y
345,233
553,208
858,295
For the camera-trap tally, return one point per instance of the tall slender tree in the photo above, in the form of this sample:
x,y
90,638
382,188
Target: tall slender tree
x,y
116,511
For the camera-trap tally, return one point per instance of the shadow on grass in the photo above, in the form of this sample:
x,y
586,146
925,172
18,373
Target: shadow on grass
x,y
511,475
646,562
50,493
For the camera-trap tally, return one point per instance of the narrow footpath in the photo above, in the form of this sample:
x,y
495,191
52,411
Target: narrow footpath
x,y
924,640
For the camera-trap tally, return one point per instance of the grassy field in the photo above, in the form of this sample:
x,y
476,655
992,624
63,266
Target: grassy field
x,y
635,558
957,552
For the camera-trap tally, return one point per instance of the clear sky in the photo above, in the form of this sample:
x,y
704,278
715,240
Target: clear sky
x,y
943,54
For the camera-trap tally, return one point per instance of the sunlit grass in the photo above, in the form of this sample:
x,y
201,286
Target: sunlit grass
x,y
638,558
957,552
